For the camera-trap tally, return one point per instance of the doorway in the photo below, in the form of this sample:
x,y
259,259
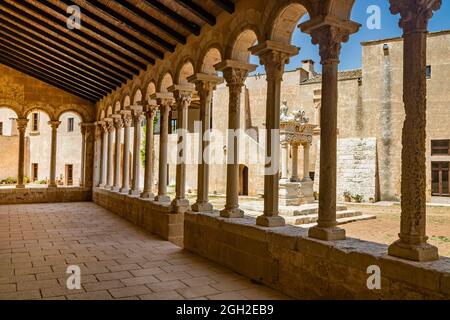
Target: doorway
x,y
243,180
69,174
34,172
440,183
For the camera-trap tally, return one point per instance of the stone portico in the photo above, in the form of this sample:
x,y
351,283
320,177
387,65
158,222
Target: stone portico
x,y
318,262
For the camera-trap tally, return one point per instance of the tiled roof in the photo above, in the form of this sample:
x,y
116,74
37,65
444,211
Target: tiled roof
x,y
342,75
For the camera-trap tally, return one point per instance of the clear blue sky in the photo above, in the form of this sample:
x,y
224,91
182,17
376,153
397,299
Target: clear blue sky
x,y
351,51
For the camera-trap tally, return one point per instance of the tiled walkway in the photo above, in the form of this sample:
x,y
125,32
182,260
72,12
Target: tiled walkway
x,y
117,259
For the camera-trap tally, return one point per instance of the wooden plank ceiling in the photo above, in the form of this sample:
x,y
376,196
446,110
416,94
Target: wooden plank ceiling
x,y
116,40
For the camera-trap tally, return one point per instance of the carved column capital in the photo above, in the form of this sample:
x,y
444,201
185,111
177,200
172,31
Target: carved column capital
x,y
329,38
54,124
127,120
118,123
183,99
22,124
414,14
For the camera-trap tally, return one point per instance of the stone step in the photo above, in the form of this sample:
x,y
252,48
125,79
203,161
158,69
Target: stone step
x,y
301,210
340,221
312,218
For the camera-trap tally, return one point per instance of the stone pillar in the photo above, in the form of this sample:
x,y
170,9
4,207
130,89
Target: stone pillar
x,y
126,117
274,56
294,174
183,99
83,152
21,127
329,35
103,153
109,154
118,124
412,243
150,112
89,155
306,148
54,124
284,160
205,85
137,119
165,104
235,73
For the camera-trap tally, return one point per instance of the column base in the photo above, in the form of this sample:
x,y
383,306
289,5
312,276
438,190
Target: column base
x,y
115,189
162,198
327,234
180,205
20,186
270,221
52,186
294,180
147,195
124,190
415,252
134,192
202,207
232,213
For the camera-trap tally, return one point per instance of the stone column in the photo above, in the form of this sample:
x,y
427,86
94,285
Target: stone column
x,y
126,117
306,148
165,104
183,99
294,175
109,154
205,85
54,124
150,112
21,127
235,73
83,152
137,119
89,155
412,243
118,124
328,35
103,151
274,56
284,160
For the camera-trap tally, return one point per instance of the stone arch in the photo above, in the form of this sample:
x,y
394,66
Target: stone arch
x,y
165,82
150,89
185,69
47,109
137,96
245,39
71,110
341,9
13,105
212,55
126,102
102,114
285,19
109,111
117,107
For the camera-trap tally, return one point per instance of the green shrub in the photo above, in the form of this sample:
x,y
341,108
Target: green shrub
x,y
358,198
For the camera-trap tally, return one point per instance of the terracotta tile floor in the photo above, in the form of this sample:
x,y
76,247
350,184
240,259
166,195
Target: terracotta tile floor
x,y
117,259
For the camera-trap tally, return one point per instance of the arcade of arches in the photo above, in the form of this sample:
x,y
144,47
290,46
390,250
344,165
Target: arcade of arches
x,y
319,262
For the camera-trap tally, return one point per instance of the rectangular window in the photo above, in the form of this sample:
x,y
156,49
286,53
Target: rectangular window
x,y
440,147
70,124
428,72
173,125
1,128
35,122
34,172
440,183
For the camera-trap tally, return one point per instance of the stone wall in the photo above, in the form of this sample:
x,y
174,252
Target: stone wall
x,y
10,160
356,168
285,259
44,195
155,218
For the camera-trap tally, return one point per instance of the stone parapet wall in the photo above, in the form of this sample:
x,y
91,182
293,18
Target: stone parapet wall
x,y
153,217
304,268
44,195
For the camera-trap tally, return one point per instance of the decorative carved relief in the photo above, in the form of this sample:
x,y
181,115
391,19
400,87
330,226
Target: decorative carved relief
x,y
414,14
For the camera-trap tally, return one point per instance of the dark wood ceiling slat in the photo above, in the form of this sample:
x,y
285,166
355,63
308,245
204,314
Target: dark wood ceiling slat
x,y
103,34
38,75
225,5
148,18
69,36
158,53
198,11
35,47
106,67
116,15
31,62
26,55
175,17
